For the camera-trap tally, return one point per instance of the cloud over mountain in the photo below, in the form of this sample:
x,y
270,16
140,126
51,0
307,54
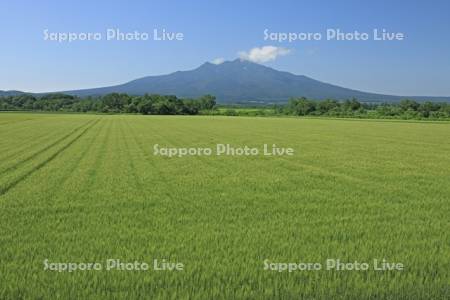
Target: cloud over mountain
x,y
218,60
263,54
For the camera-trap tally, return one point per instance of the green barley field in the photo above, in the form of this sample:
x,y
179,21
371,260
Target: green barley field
x,y
88,188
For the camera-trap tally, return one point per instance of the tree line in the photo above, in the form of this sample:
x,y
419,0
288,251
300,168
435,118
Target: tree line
x,y
352,108
110,103
405,109
171,105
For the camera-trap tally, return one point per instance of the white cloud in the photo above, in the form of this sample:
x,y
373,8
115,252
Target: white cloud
x,y
218,60
263,54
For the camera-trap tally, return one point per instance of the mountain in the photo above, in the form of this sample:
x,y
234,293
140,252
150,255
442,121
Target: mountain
x,y
10,93
240,81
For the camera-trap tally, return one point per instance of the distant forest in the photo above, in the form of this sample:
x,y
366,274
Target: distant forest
x,y
111,103
171,105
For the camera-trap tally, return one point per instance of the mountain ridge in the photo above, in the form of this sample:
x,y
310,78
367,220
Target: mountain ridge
x,y
240,81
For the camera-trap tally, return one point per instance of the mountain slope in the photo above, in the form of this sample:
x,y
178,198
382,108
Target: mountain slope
x,y
235,81
10,93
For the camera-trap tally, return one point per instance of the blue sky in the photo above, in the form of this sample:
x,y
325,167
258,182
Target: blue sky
x,y
418,65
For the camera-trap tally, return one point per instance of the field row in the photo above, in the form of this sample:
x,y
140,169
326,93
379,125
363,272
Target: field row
x,y
85,188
